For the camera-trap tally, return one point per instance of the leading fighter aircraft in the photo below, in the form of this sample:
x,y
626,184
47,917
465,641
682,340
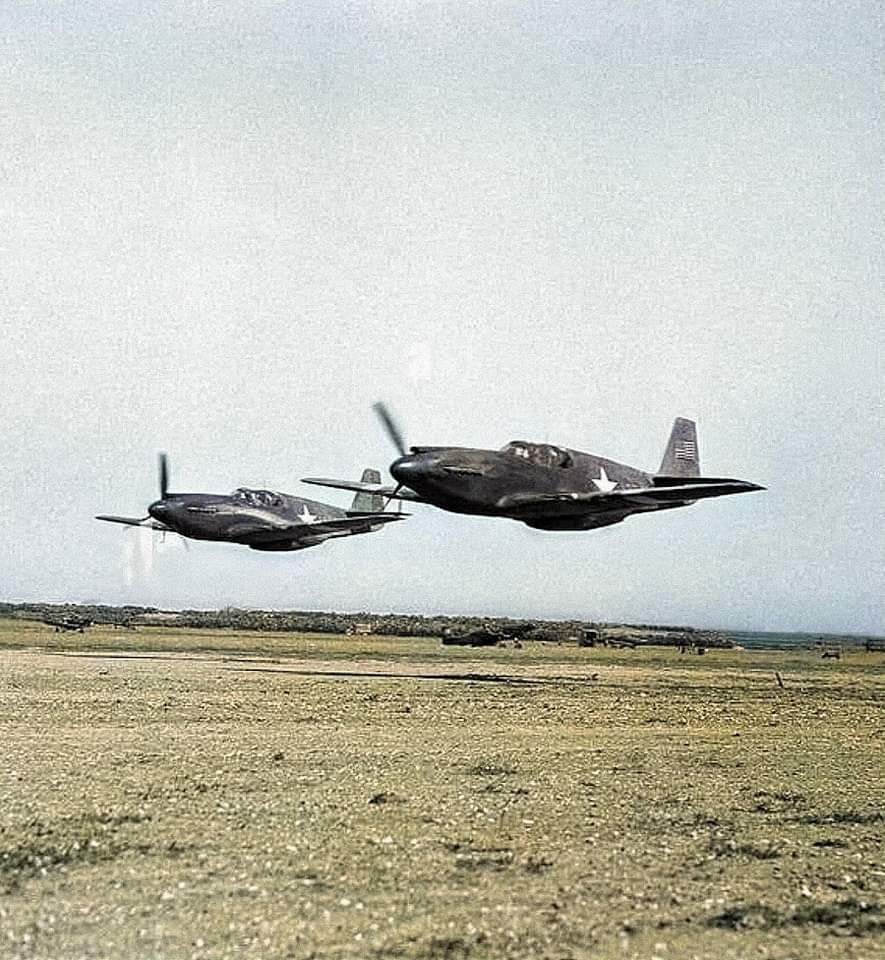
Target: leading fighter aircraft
x,y
545,486
260,519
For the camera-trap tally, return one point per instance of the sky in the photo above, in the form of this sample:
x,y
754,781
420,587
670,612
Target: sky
x,y
229,228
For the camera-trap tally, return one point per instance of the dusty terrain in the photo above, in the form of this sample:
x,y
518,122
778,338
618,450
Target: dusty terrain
x,y
178,794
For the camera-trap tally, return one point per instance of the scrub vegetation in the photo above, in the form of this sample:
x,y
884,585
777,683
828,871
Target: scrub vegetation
x,y
197,794
387,624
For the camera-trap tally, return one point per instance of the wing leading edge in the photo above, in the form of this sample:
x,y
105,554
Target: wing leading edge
x,y
636,497
356,521
144,523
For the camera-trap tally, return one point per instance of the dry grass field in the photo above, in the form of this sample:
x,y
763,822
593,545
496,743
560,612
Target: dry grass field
x,y
195,794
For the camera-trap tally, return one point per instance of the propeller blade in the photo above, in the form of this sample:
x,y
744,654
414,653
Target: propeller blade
x,y
164,476
390,425
396,490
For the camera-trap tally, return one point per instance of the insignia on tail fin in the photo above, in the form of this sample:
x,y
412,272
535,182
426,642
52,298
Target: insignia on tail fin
x,y
368,502
681,456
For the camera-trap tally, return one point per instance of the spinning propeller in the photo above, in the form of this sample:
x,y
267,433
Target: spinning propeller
x,y
163,462
391,427
164,476
140,552
393,431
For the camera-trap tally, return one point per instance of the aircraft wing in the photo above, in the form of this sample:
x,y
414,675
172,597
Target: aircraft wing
x,y
133,522
356,522
629,498
359,487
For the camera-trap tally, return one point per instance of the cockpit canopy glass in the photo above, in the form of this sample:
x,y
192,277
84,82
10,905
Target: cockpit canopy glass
x,y
257,498
541,454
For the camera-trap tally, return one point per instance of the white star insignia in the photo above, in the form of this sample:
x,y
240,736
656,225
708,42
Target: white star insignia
x,y
306,516
603,484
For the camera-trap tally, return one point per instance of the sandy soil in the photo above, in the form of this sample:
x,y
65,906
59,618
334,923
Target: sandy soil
x,y
380,798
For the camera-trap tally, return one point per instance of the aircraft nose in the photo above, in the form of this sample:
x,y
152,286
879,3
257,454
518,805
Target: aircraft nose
x,y
161,510
406,470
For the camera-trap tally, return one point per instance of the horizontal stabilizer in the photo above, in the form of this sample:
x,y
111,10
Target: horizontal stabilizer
x,y
694,490
145,523
662,481
358,486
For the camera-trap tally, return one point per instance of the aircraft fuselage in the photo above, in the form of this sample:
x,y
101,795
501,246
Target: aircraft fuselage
x,y
479,482
251,517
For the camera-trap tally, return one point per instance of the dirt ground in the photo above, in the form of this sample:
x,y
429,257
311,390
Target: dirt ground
x,y
373,797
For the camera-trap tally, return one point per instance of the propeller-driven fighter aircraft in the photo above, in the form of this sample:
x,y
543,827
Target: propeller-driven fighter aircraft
x,y
545,486
261,519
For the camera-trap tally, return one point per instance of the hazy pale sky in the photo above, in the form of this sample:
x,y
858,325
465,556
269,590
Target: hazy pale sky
x,y
227,228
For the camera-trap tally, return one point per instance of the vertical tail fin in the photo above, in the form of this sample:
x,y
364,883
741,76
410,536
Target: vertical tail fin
x,y
368,502
681,456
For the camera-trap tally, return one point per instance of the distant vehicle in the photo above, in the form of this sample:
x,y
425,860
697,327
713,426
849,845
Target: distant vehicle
x,y
478,637
260,519
545,486
69,624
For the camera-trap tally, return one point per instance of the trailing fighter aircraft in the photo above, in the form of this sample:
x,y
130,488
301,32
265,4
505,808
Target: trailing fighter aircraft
x,y
260,519
545,486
